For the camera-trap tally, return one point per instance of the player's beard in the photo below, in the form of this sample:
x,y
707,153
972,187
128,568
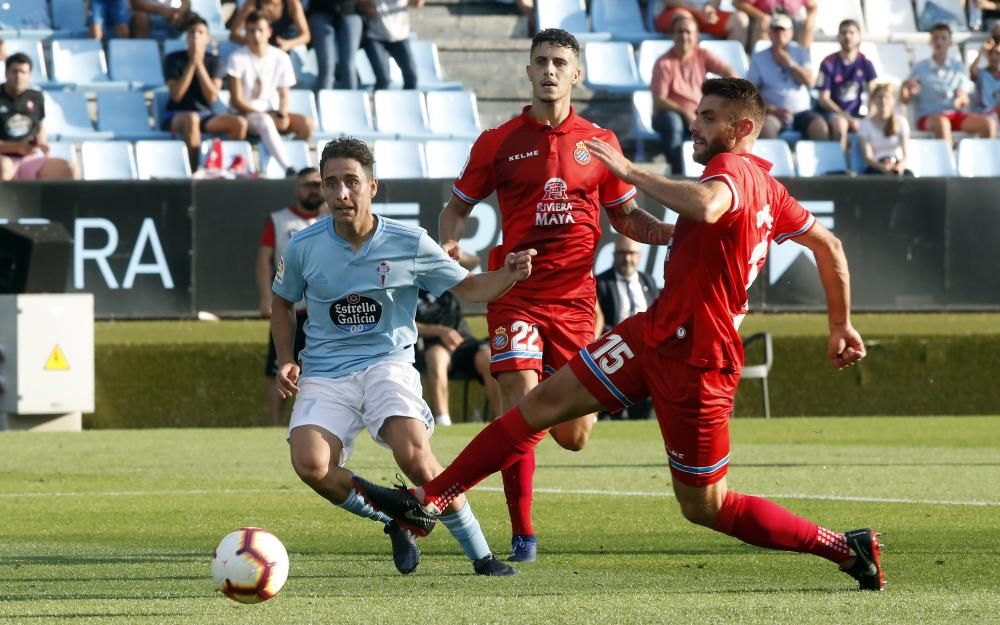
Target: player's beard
x,y
312,202
717,145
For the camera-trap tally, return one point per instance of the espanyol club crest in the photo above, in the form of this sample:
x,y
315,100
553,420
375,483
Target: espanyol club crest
x,y
500,338
581,154
383,270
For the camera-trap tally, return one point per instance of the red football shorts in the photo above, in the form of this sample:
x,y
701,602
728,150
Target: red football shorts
x,y
664,22
692,404
957,118
528,335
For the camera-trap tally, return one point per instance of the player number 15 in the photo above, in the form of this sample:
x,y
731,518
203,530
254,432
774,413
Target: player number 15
x,y
611,356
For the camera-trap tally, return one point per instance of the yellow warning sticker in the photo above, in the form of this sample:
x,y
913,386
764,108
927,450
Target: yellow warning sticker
x,y
57,360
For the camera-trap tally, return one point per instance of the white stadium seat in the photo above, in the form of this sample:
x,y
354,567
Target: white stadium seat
x,y
399,159
930,157
453,114
67,118
445,159
621,18
610,66
298,153
344,112
162,159
108,160
402,113
778,152
649,51
884,17
979,157
818,158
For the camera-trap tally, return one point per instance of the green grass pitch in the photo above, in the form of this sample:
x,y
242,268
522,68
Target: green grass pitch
x,y
118,527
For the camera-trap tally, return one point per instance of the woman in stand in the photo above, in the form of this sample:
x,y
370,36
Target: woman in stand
x,y
884,134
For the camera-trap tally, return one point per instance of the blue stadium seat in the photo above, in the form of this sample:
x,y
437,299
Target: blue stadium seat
x,y
402,113
955,7
446,159
819,158
778,152
621,18
124,114
649,51
692,168
363,66
979,157
33,48
886,17
343,112
230,150
642,122
305,65
930,157
137,62
67,117
27,19
80,63
211,10
430,76
399,159
453,114
731,52
108,160
157,160
610,66
69,18
569,15
174,45
298,153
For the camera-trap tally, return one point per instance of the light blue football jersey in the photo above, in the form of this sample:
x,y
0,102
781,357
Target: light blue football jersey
x,y
361,306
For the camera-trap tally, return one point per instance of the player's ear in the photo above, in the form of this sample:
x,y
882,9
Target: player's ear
x,y
373,185
744,127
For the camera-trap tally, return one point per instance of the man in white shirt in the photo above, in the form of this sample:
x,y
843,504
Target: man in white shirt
x,y
259,78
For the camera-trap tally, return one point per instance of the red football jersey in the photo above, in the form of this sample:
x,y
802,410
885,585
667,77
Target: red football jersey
x,y
550,190
710,266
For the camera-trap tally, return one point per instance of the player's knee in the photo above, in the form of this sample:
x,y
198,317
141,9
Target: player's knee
x,y
7,169
310,468
573,441
699,512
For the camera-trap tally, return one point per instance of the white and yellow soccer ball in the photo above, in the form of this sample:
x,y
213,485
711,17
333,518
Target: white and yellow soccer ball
x,y
250,565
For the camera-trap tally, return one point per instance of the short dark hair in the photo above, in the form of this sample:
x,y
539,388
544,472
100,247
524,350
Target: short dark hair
x,y
941,26
255,16
556,37
193,19
348,147
305,171
18,58
742,94
848,22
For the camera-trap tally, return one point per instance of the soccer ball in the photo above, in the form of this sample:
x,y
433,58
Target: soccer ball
x,y
250,565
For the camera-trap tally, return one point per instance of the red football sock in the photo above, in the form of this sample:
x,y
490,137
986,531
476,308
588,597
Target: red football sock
x,y
518,480
500,444
764,523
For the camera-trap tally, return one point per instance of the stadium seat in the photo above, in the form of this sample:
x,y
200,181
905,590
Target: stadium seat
x,y
610,66
80,63
778,153
819,51
731,52
642,122
137,62
33,48
829,15
305,66
884,17
230,150
26,19
301,101
156,160
363,66
979,157
820,158
649,51
955,7
399,159
65,150
298,153
430,76
760,371
446,159
930,157
69,17
211,10
108,160
569,15
402,113
124,114
174,45
893,62
692,168
343,112
67,118
621,18
453,114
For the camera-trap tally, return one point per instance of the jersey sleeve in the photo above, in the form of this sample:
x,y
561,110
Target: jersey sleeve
x,y
870,72
267,236
434,270
824,81
289,284
477,179
614,191
724,167
792,220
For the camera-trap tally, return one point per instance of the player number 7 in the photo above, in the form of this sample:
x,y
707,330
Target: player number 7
x,y
611,356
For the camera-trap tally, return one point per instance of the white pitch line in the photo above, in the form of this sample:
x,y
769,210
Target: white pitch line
x,y
547,491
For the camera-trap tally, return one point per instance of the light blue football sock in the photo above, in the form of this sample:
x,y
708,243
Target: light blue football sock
x,y
464,526
356,505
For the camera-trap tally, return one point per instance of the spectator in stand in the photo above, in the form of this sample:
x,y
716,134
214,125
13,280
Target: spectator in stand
x,y
988,86
762,12
843,79
112,12
289,27
676,87
23,148
940,90
884,134
174,17
782,74
984,51
336,28
259,78
387,33
194,79
989,13
711,21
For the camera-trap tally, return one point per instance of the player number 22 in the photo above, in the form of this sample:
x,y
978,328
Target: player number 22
x,y
525,338
611,356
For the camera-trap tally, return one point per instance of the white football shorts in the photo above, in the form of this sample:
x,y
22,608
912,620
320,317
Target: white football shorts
x,y
363,399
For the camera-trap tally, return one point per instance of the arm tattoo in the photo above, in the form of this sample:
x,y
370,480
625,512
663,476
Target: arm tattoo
x,y
638,225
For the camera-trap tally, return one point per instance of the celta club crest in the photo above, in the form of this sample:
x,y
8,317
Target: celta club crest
x,y
555,190
581,153
383,270
500,338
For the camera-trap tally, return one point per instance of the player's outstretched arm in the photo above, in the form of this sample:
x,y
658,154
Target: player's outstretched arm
x,y
845,346
451,224
283,332
638,225
487,286
699,201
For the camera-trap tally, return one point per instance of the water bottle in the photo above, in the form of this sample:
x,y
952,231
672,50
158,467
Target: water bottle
x,y
975,17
